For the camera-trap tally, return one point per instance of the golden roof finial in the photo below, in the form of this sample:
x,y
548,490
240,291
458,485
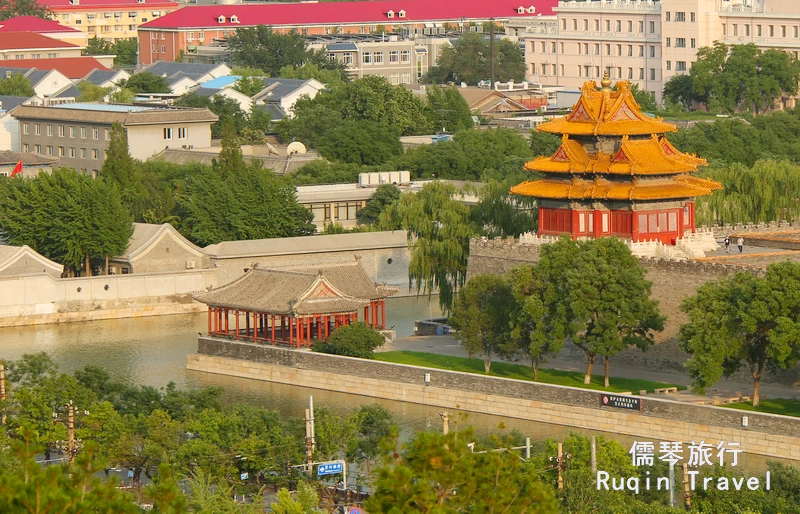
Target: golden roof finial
x,y
606,82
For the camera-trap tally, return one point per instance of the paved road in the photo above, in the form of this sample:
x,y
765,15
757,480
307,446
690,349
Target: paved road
x,y
447,345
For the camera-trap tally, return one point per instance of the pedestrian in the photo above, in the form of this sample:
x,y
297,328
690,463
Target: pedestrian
x,y
727,244
740,243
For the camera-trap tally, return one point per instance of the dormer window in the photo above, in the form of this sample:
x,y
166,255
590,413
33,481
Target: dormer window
x,y
221,19
402,13
390,14
74,2
531,10
234,19
140,1
520,10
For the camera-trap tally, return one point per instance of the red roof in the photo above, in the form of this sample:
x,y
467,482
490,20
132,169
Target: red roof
x,y
63,5
71,67
33,24
331,13
30,40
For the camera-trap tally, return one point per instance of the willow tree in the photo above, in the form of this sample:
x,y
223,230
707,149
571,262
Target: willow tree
x,y
743,320
439,231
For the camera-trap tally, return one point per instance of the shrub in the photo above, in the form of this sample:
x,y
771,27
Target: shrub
x,y
357,340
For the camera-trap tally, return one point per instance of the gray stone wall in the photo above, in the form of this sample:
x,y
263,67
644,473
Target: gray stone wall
x,y
167,255
653,409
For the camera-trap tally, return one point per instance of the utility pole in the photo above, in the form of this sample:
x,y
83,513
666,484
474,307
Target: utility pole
x,y
3,392
594,455
71,431
309,437
491,53
687,492
445,422
560,462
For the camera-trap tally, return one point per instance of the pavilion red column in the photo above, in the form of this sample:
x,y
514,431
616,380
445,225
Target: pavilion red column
x,y
272,322
237,324
227,323
255,325
210,311
383,314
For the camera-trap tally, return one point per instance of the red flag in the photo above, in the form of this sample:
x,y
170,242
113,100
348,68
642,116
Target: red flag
x,y
17,169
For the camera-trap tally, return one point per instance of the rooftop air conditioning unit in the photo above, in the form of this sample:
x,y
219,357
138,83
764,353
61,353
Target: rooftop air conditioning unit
x,y
189,264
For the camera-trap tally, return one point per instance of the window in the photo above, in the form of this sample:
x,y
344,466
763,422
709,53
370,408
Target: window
x,y
574,24
608,49
641,26
38,148
405,78
72,151
83,132
95,153
630,50
772,31
597,49
49,130
619,26
586,25
724,29
666,16
348,58
26,148
608,25
652,73
652,27
630,26
553,47
405,56
597,71
783,30
619,50
394,56
680,65
26,129
394,78
630,73
641,73
597,25
83,153
652,51
61,131
735,29
95,133
795,31
694,42
586,48
61,151
108,134
641,50
544,46
680,42
533,69
49,150
168,133
563,24
561,47
747,31
758,30
680,16
183,132
669,65
377,57
366,58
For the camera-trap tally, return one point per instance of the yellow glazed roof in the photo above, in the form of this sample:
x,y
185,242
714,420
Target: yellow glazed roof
x,y
682,186
653,156
607,113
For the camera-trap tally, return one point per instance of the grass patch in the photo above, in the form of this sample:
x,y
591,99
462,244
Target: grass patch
x,y
517,371
770,406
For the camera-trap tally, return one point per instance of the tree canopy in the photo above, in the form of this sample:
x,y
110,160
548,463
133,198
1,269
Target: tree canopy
x,y
743,320
14,8
468,60
736,78
146,82
16,85
447,110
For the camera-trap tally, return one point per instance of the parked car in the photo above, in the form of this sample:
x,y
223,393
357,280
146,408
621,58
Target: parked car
x,y
484,84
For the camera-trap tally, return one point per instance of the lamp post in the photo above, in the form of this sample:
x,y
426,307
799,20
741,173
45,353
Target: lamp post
x,y
70,423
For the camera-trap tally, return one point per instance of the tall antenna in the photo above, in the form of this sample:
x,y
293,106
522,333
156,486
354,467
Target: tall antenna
x,y
491,53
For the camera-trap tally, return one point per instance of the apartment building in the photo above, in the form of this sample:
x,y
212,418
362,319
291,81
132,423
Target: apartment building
x,y
400,59
193,28
108,19
48,28
647,42
78,134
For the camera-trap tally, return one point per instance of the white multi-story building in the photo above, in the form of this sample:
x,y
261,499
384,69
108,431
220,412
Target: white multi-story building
x,y
647,42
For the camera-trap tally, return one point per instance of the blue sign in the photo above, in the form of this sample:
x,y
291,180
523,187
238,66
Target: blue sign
x,y
355,510
329,469
245,475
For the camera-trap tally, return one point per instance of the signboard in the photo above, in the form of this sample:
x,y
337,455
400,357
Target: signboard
x,y
355,510
244,476
329,469
620,402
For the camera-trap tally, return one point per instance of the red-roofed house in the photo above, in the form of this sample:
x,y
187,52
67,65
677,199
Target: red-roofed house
x,y
108,19
47,28
29,45
164,38
72,67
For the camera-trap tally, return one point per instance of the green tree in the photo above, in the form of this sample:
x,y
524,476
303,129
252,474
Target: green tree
x,y
16,85
119,168
447,110
384,196
122,95
262,48
498,213
544,143
679,90
146,82
743,320
645,100
305,501
309,70
354,340
249,86
13,8
98,46
360,142
90,92
481,316
230,158
439,231
126,53
439,473
468,61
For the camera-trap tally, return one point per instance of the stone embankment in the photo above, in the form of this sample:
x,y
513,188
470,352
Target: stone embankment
x,y
658,419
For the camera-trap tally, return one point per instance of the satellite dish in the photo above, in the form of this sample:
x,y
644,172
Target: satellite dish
x,y
296,147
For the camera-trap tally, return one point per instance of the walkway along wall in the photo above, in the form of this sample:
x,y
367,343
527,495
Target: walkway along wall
x,y
40,299
770,435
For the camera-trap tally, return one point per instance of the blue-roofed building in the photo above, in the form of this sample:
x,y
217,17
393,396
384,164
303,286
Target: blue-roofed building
x,y
222,82
244,101
79,133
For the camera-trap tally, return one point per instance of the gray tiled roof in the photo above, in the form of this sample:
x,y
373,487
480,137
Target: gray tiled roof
x,y
170,69
145,234
142,117
28,158
341,47
70,92
277,88
350,279
9,102
274,110
308,244
282,292
98,77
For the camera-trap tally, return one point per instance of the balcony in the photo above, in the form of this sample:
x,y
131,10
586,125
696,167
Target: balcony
x,y
744,9
617,5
